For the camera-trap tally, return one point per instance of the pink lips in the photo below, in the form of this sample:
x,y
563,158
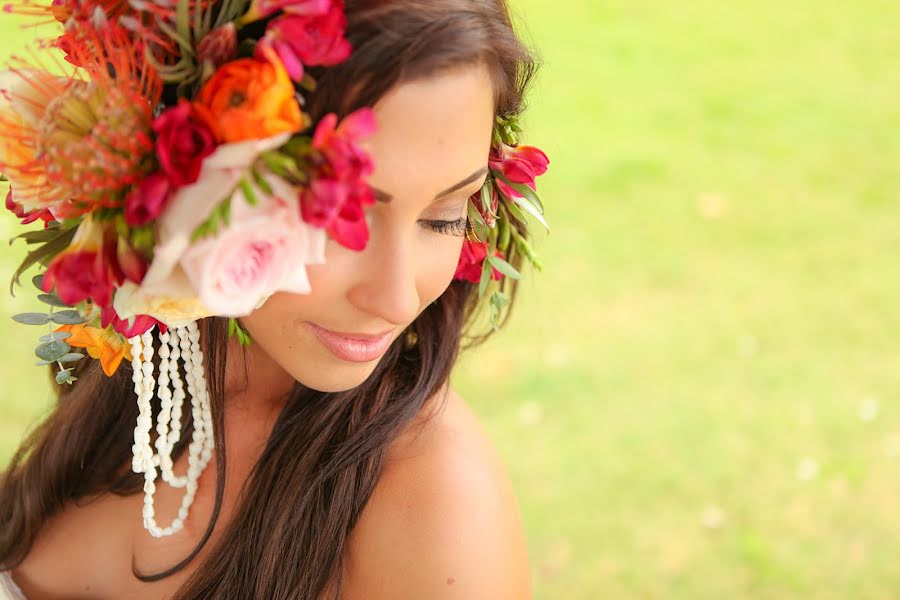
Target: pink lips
x,y
354,347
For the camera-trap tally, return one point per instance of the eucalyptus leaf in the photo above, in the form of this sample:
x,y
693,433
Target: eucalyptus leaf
x,y
71,357
68,317
55,336
37,280
65,376
52,350
32,318
52,300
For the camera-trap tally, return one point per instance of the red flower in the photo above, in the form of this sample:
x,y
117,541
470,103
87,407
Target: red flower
x,y
520,164
471,260
94,264
337,197
309,39
142,323
337,144
182,142
27,216
147,200
263,8
79,275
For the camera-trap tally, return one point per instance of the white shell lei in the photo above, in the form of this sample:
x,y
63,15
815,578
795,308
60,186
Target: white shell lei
x,y
184,344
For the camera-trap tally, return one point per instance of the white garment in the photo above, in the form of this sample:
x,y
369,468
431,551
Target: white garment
x,y
8,588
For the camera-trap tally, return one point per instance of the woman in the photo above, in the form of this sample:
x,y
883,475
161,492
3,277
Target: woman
x,y
353,468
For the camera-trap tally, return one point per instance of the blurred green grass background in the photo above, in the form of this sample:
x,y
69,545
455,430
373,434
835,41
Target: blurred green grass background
x,y
698,397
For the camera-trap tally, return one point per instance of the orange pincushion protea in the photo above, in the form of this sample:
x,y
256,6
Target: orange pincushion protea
x,y
74,139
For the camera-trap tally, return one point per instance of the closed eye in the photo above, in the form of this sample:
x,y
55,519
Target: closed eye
x,y
456,227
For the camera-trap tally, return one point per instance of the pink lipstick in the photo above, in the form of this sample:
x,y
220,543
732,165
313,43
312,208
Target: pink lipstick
x,y
354,347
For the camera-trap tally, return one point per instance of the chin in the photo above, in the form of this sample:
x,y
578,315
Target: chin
x,y
333,375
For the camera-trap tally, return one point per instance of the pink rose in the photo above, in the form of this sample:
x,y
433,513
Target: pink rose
x,y
147,201
471,260
182,142
265,248
520,164
309,39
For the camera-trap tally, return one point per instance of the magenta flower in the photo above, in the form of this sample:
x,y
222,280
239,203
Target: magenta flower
x,y
471,261
520,164
308,39
263,8
338,194
182,142
142,323
147,201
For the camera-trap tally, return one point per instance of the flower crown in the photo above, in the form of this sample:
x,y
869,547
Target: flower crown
x,y
160,212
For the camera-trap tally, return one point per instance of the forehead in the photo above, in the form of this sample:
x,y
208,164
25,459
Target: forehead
x,y
432,132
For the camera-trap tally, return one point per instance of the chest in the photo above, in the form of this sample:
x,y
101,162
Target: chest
x,y
86,551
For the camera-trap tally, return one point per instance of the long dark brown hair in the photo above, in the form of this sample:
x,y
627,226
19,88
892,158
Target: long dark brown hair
x,y
326,450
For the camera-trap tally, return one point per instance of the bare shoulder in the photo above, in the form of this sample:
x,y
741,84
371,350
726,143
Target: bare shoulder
x,y
443,521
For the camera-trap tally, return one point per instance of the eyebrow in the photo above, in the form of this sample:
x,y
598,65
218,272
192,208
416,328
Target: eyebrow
x,y
382,196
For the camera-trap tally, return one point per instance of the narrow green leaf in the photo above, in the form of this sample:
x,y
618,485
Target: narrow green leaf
x,y
504,267
261,182
32,318
529,207
486,273
249,195
48,250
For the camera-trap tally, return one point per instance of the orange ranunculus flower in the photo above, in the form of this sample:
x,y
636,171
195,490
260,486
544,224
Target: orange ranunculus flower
x,y
249,99
104,344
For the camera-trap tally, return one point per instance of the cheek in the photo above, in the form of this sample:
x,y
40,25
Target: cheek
x,y
438,257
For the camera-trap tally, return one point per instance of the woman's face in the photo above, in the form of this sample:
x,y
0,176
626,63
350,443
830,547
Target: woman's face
x,y
433,135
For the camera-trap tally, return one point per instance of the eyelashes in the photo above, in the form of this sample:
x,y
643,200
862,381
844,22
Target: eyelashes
x,y
456,228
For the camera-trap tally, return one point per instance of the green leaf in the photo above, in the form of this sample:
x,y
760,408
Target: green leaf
x,y
526,205
52,300
71,357
67,317
35,236
261,182
504,267
52,350
54,336
486,272
49,249
231,323
249,195
503,238
523,189
65,376
486,195
225,208
32,318
37,280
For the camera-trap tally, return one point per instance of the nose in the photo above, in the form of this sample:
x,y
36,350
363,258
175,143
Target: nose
x,y
386,287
